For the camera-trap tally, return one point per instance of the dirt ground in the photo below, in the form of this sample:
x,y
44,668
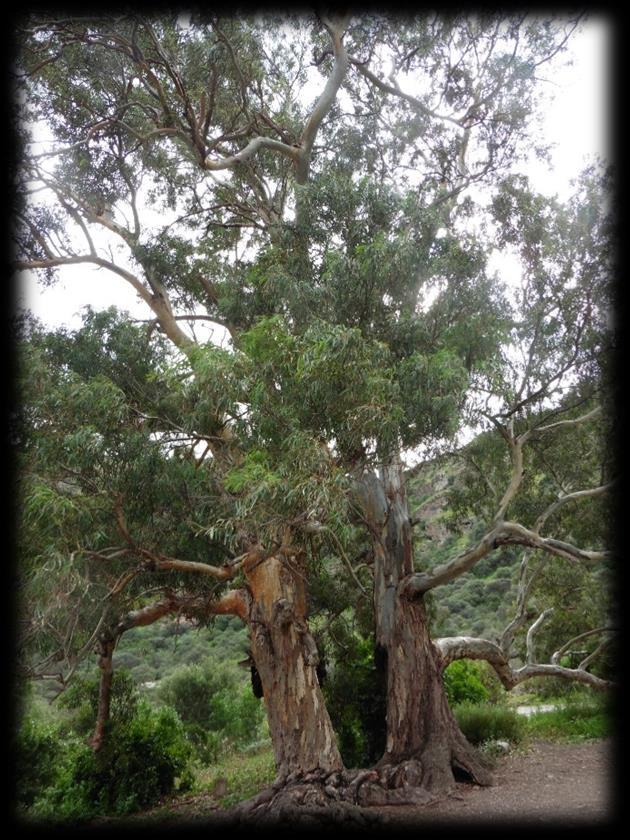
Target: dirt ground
x,y
552,783
549,784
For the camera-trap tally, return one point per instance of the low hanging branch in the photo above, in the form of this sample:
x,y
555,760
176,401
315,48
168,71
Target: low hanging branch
x,y
467,647
502,533
234,602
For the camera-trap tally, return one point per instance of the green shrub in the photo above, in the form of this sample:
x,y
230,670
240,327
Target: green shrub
x,y
81,698
139,763
38,747
214,699
144,756
463,683
207,745
481,723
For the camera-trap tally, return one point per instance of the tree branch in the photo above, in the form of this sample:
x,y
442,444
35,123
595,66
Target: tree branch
x,y
327,97
467,647
504,533
578,494
529,642
556,656
252,147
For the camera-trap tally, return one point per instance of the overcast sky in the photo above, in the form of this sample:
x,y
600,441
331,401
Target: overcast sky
x,y
576,121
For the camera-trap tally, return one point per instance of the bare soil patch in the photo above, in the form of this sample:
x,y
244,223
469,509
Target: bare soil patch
x,y
550,783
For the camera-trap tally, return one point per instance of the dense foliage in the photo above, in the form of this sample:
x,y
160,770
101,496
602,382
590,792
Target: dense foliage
x,y
60,777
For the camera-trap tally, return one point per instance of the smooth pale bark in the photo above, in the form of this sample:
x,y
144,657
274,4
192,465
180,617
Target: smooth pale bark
x,y
467,647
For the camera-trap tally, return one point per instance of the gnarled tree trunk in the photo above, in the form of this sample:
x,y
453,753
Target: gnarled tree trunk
x,y
286,659
424,744
312,788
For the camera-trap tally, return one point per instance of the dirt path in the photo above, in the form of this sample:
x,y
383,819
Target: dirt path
x,y
563,784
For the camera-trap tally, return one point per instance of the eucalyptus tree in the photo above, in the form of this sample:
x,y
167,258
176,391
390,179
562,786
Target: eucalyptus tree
x,y
273,177
546,453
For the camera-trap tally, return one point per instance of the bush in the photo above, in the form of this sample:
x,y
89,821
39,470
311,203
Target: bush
x,y
215,702
137,765
145,755
81,698
481,723
463,683
38,747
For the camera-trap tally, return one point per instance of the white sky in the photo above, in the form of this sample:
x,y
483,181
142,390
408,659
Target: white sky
x,y
576,122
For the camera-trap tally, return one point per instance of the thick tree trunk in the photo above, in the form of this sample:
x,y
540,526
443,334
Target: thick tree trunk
x,y
286,658
422,733
424,744
311,789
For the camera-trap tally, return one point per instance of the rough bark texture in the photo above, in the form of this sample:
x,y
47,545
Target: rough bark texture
x,y
421,729
106,645
286,660
424,744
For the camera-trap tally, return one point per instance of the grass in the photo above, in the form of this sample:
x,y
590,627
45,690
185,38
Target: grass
x,y
578,718
483,722
241,775
576,721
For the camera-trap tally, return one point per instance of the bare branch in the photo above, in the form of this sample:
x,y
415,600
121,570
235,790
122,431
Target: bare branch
x,y
504,533
327,97
396,91
467,647
531,654
300,154
523,591
561,651
578,494
516,453
162,562
572,422
252,147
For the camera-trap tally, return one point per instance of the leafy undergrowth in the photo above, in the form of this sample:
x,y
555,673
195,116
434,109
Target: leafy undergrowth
x,y
237,776
577,721
240,774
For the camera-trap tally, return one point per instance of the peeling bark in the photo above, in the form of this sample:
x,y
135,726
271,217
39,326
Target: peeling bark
x,y
286,660
424,743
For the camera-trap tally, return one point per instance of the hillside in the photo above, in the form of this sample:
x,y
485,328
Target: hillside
x,y
479,603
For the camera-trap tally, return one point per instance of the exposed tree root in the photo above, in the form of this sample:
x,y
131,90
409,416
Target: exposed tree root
x,y
346,797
